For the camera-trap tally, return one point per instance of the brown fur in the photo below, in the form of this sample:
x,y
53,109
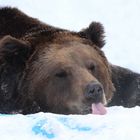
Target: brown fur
x,y
74,57
47,68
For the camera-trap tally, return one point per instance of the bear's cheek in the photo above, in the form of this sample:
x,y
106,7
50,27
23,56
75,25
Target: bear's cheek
x,y
54,92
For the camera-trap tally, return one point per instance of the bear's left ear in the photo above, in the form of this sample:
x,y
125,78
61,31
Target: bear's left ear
x,y
95,32
13,51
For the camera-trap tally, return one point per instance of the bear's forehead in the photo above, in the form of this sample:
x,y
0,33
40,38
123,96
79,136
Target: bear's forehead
x,y
66,49
69,52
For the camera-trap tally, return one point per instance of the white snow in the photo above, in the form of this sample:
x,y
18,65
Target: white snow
x,y
118,124
121,20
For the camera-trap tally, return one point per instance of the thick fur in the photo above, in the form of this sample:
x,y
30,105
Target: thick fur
x,y
15,23
25,60
94,32
127,84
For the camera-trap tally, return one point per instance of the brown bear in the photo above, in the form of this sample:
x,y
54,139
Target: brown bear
x,y
44,68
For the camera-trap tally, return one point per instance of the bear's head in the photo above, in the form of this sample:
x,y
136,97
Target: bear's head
x,y
61,71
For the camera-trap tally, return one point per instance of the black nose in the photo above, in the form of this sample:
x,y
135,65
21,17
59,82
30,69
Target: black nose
x,y
94,91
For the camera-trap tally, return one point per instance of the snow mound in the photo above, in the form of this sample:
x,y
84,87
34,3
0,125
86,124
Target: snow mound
x,y
118,124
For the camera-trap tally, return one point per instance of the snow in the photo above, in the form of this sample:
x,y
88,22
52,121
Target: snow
x,y
118,124
121,21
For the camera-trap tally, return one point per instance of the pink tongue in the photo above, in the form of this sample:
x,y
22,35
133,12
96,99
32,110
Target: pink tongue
x,y
99,109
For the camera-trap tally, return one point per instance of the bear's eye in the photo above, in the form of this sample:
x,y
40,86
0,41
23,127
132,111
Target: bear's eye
x,y
61,74
91,67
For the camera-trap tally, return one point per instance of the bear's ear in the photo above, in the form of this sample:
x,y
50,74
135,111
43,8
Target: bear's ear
x,y
13,51
95,32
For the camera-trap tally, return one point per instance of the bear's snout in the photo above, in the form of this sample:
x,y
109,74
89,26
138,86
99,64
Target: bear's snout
x,y
94,91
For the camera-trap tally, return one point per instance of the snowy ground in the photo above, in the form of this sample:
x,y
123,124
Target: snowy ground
x,y
121,20
118,124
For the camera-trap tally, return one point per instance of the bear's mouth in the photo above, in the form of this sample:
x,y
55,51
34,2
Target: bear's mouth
x,y
95,108
98,108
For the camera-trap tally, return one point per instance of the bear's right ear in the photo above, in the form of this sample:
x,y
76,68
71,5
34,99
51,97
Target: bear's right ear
x,y
13,51
95,33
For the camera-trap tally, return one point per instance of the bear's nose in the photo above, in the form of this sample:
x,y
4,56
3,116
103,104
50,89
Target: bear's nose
x,y
94,91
